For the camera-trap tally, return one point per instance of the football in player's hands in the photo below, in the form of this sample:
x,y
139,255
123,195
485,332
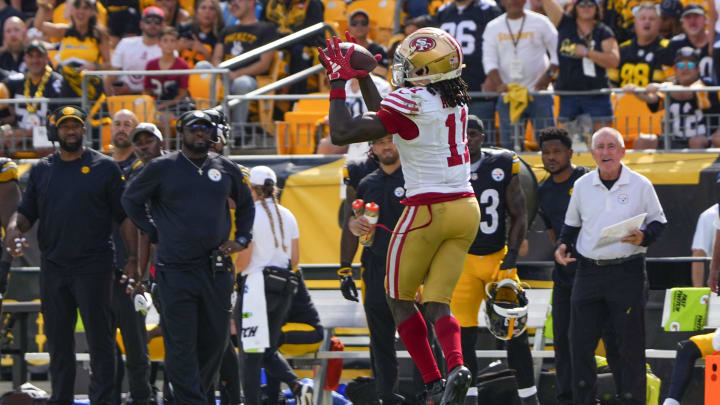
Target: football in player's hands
x,y
361,58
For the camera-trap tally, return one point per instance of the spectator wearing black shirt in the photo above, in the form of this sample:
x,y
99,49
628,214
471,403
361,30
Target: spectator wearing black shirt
x,y
670,11
237,39
39,81
7,11
123,19
359,27
199,36
693,115
385,187
696,36
290,16
586,48
11,59
75,194
189,219
641,58
174,14
466,20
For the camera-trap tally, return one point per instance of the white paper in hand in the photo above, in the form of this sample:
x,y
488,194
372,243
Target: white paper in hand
x,y
613,233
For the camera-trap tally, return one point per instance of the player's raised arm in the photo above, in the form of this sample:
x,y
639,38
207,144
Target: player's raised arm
x,y
344,129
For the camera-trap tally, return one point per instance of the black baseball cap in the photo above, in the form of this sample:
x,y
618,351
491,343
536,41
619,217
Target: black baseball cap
x,y
686,53
474,122
37,46
195,116
671,8
68,112
693,9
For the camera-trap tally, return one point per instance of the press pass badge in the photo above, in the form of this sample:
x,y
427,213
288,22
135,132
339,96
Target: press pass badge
x,y
588,65
516,69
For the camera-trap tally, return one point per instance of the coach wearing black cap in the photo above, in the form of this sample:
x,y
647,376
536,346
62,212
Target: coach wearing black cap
x,y
188,194
610,281
75,194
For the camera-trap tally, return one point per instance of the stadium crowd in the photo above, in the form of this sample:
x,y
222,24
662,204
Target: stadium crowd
x,y
510,47
201,226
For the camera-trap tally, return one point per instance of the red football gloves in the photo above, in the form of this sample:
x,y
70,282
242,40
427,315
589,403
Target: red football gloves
x,y
338,65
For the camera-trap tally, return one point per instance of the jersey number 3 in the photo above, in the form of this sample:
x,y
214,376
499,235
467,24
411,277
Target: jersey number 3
x,y
455,157
489,201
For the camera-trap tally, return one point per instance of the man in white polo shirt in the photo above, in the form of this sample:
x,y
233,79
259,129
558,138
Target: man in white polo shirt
x,y
610,280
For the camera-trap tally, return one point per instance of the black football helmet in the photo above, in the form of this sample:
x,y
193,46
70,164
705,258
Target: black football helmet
x,y
506,309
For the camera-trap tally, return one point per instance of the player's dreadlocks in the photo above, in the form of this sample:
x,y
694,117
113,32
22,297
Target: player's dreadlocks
x,y
453,91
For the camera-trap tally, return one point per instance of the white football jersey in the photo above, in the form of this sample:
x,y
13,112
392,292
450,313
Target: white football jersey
x,y
432,141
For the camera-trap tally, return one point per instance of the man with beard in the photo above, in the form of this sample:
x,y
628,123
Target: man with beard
x,y
385,187
11,59
641,57
39,81
74,194
695,35
133,53
189,220
130,321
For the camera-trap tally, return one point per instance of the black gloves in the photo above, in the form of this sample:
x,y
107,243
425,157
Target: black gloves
x,y
510,260
347,284
4,271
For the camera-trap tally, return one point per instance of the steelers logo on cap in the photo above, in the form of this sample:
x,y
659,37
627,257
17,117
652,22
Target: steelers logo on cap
x,y
68,111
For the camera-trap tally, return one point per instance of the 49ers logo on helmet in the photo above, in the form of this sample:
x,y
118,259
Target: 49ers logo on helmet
x,y
423,44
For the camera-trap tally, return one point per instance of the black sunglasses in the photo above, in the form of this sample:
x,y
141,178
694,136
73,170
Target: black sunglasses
x,y
585,3
152,20
199,127
364,23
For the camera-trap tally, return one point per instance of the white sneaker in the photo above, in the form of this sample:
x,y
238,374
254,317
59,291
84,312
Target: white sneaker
x,y
304,394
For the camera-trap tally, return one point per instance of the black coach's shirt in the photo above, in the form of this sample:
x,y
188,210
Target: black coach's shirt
x,y
240,38
189,211
554,199
571,75
356,170
385,190
489,180
126,167
640,65
75,203
467,26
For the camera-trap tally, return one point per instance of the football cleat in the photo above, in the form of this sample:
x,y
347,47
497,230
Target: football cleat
x,y
456,387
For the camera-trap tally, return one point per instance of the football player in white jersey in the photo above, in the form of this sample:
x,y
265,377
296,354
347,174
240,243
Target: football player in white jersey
x,y
427,114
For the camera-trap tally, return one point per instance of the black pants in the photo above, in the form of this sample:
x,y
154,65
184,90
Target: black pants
x,y
230,376
609,297
687,354
134,334
196,328
561,310
62,294
274,364
381,325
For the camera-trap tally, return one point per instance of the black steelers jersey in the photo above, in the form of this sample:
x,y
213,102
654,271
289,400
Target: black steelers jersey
x,y
681,41
489,181
29,118
8,170
467,26
640,65
697,115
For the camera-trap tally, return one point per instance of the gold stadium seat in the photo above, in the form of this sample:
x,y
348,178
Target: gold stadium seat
x,y
199,89
142,105
335,11
297,134
633,117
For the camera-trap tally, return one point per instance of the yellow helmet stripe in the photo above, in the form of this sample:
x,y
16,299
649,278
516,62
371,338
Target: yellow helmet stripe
x,y
511,329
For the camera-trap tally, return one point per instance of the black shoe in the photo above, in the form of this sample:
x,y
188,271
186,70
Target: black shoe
x,y
456,387
531,400
433,393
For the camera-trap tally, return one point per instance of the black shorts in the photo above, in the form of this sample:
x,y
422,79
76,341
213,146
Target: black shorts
x,y
122,23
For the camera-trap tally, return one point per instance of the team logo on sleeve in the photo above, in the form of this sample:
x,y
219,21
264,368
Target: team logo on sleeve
x,y
399,192
214,174
498,174
623,198
422,44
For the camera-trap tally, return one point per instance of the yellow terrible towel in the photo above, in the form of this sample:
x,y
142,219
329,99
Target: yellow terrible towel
x,y
518,98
